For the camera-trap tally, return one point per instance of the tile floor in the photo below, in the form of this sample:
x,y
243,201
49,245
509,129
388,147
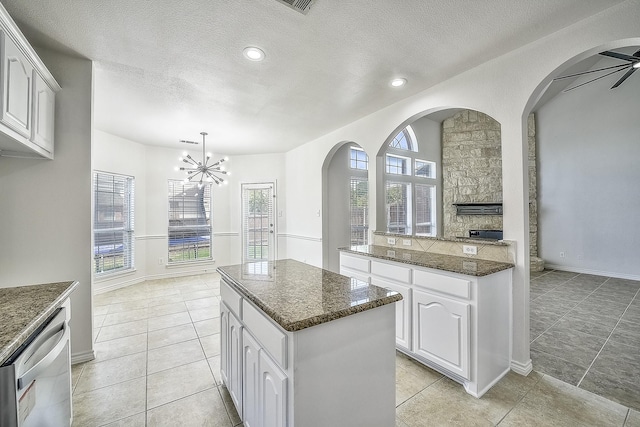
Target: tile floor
x,y
157,364
585,331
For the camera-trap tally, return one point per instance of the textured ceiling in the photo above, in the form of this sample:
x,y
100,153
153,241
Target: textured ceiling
x,y
166,69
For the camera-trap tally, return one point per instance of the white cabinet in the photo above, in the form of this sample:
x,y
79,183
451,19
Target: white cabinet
x,y
44,100
251,375
235,361
27,92
403,311
458,324
17,84
272,395
441,331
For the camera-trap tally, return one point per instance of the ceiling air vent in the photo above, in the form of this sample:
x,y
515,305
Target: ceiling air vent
x,y
301,6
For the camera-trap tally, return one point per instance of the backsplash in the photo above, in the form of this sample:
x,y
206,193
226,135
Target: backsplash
x,y
502,251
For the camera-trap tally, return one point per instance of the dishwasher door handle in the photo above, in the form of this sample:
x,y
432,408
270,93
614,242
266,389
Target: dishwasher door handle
x,y
46,361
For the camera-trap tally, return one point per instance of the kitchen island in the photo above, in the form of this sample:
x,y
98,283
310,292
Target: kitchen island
x,y
305,346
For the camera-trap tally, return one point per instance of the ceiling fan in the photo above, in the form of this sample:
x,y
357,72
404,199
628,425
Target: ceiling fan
x,y
632,63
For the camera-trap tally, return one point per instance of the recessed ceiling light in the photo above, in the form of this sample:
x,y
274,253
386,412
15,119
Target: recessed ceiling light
x,y
398,82
253,53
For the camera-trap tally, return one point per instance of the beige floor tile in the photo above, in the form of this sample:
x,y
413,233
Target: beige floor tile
x,y
108,404
189,288
205,313
138,420
101,310
174,355
98,321
76,371
400,423
204,409
214,363
408,383
202,303
164,309
167,299
122,330
211,345
633,419
204,293
113,371
102,300
119,347
128,306
168,320
125,316
552,402
176,383
208,327
172,335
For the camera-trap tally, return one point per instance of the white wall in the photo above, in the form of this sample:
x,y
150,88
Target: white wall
x,y
152,167
45,206
588,196
505,88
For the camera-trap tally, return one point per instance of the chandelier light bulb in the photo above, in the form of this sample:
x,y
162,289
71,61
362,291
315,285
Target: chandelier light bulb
x,y
185,154
202,171
226,159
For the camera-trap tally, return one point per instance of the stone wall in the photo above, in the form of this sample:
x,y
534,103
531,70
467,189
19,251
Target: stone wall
x,y
471,170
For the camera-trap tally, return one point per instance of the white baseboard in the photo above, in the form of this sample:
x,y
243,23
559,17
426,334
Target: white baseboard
x,y
82,357
118,285
205,269
594,272
522,368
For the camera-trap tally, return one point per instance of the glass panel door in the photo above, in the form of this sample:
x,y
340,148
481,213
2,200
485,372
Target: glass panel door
x,y
258,222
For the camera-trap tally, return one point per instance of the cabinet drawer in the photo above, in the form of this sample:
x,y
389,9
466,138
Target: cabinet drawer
x,y
444,284
395,272
268,334
231,298
355,274
354,263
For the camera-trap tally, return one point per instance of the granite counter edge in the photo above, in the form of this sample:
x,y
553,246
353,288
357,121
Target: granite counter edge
x,y
311,321
35,323
499,266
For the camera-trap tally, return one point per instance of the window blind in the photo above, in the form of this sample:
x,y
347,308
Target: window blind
x,y
190,228
258,222
113,223
359,211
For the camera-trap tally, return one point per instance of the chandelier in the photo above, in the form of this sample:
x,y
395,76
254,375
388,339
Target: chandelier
x,y
202,171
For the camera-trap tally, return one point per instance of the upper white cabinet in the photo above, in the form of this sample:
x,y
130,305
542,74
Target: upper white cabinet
x,y
27,95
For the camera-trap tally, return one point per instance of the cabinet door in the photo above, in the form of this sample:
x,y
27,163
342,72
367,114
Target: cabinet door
x,y
17,75
224,344
441,331
403,311
251,375
235,362
43,113
272,394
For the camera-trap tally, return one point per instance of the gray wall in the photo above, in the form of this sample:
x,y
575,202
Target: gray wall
x,y
589,174
45,205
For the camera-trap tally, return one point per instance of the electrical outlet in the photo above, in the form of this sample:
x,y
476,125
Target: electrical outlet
x,y
469,250
391,240
160,261
406,242
562,254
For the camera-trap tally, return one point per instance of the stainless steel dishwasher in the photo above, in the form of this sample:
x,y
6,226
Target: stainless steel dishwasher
x,y
35,382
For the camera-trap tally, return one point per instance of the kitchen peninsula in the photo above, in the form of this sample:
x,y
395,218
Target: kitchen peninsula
x,y
455,314
305,346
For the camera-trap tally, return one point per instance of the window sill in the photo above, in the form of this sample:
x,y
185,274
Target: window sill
x,y
110,276
188,263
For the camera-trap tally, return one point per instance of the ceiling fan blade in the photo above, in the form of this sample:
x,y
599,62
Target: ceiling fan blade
x,y
590,71
593,80
620,55
625,77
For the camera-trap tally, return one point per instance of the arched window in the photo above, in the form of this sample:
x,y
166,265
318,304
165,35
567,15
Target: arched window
x,y
409,186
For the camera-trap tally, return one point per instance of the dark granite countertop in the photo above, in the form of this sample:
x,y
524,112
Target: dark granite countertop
x,y
24,308
451,263
298,295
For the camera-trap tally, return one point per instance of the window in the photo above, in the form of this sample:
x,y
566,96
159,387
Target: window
x,y
113,232
425,169
358,159
397,165
189,222
359,211
398,203
410,187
